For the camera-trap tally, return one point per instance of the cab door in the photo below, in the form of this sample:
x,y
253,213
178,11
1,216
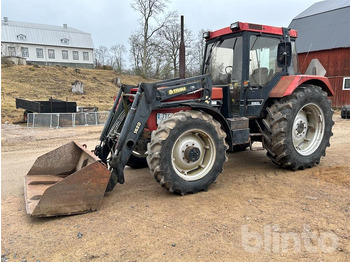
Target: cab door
x,y
263,72
226,71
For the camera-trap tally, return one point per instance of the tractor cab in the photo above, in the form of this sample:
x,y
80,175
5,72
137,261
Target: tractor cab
x,y
247,61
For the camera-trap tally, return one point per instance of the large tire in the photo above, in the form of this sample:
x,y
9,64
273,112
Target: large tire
x,y
187,152
136,162
298,128
345,112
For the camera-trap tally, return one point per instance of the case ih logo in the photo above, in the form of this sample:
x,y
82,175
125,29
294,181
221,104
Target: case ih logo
x,y
177,90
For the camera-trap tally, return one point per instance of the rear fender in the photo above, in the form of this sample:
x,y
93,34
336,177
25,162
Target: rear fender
x,y
288,84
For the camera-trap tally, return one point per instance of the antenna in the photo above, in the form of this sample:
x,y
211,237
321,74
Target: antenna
x,y
306,56
182,51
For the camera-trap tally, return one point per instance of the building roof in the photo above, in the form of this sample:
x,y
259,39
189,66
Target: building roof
x,y
30,33
324,25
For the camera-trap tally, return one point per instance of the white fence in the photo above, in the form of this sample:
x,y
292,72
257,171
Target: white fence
x,y
57,120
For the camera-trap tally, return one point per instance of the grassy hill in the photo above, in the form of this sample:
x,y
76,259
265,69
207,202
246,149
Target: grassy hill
x,y
29,82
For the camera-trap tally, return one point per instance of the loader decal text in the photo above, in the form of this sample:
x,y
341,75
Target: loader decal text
x,y
136,130
177,90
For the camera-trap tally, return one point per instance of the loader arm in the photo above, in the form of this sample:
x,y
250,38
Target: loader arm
x,y
149,96
142,106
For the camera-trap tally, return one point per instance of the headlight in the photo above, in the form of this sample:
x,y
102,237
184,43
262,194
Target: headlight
x,y
206,35
234,26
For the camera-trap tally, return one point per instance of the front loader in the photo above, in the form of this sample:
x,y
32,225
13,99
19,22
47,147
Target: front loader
x,y
250,91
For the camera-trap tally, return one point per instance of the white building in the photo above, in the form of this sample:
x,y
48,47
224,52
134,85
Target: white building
x,y
47,44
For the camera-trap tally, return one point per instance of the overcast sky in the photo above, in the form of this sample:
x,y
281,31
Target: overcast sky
x,y
111,22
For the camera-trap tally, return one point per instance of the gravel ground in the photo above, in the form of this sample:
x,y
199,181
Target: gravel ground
x,y
255,211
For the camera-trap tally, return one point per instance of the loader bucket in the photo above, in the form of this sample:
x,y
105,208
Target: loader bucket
x,y
68,180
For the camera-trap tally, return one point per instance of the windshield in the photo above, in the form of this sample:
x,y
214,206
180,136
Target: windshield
x,y
224,61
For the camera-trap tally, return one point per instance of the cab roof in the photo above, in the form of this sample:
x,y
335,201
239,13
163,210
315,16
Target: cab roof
x,y
241,26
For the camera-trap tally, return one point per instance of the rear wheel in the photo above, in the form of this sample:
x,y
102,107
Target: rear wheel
x,y
187,152
298,128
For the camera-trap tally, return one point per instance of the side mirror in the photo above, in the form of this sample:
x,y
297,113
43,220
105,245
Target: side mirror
x,y
284,54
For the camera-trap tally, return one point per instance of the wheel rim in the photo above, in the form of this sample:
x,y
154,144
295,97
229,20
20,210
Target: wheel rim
x,y
193,155
139,152
308,129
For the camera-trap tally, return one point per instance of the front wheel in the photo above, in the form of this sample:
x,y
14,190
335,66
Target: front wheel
x,y
187,152
298,128
136,162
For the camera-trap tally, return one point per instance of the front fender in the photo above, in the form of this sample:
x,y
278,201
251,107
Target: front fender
x,y
217,116
288,84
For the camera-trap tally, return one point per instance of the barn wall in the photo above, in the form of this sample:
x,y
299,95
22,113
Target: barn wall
x,y
337,64
335,61
341,97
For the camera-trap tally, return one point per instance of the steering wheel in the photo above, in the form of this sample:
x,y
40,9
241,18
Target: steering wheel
x,y
227,67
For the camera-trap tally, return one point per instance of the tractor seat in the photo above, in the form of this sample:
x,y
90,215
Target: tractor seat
x,y
259,77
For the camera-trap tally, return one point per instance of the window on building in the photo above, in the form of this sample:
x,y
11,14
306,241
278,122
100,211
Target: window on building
x,y
12,51
65,41
64,54
25,51
346,83
51,53
39,53
75,55
85,56
21,37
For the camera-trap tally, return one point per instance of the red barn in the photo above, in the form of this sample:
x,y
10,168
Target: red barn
x,y
324,33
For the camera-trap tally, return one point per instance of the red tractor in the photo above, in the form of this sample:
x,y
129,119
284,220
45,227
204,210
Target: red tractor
x,y
250,90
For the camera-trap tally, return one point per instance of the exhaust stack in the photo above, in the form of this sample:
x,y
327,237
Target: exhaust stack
x,y
182,51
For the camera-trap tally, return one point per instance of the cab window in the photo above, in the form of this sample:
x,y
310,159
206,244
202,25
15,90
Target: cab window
x,y
263,60
226,61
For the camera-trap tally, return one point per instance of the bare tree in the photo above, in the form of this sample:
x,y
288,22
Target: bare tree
x,y
136,52
116,54
153,19
199,50
171,44
101,55
161,64
194,58
171,36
